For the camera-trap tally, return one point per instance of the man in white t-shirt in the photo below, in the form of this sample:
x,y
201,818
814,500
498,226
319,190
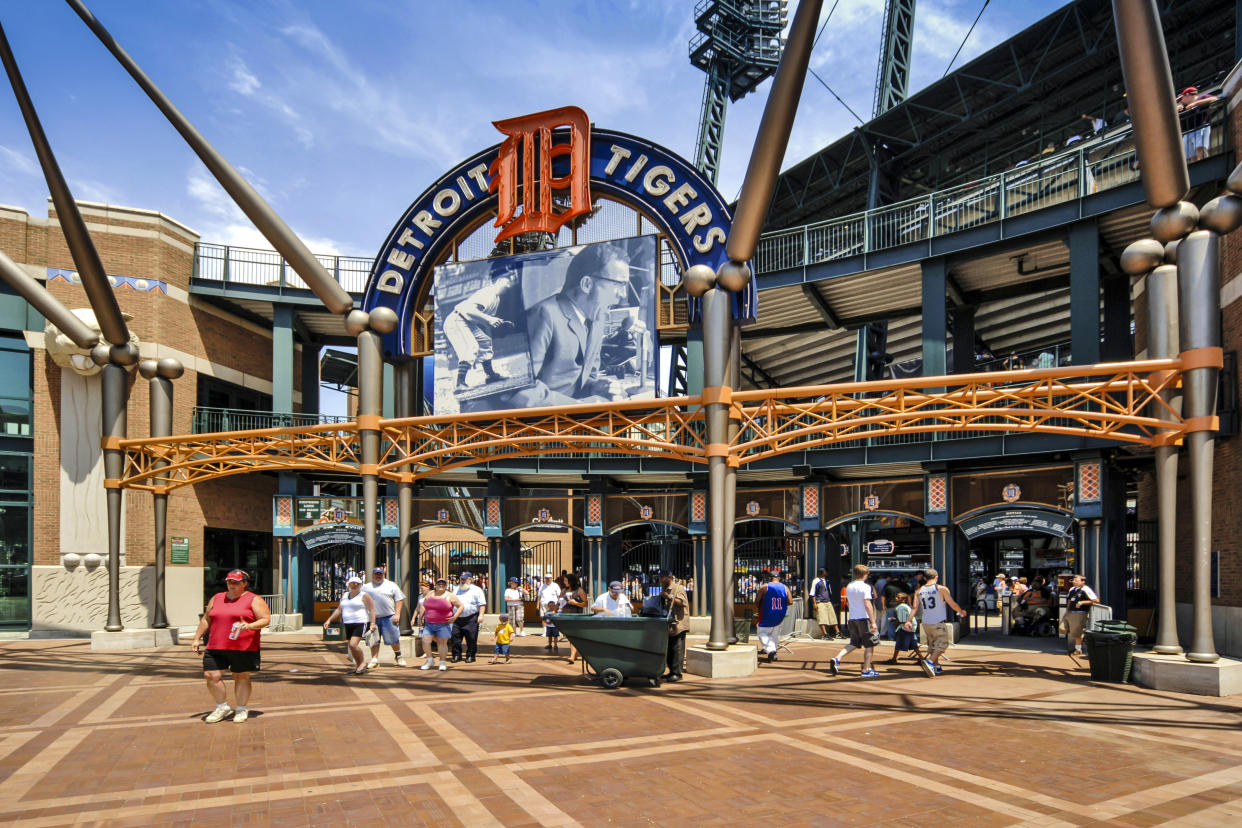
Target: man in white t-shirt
x,y
549,593
388,599
473,604
613,603
515,603
864,634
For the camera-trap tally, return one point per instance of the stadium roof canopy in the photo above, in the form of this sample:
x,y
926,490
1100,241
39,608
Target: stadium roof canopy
x,y
1001,108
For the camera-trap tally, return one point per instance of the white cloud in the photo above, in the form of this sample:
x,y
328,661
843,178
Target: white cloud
x,y
382,112
14,161
243,81
89,190
221,221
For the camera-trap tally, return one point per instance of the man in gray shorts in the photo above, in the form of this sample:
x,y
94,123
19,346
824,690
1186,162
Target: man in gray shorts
x,y
388,600
931,606
864,635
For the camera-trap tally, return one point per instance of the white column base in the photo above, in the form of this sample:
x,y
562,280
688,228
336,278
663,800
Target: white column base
x,y
737,661
1174,673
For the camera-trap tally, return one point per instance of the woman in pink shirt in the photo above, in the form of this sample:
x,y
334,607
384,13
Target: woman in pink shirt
x,y
440,610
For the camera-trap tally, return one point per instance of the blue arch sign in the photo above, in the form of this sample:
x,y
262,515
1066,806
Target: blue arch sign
x,y
684,205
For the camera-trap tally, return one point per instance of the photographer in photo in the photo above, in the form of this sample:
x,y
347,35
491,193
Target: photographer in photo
x,y
567,330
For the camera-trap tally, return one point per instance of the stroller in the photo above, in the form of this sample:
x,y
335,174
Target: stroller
x,y
1034,621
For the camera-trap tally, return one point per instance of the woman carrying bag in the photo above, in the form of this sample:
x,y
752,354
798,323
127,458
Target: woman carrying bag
x,y
357,614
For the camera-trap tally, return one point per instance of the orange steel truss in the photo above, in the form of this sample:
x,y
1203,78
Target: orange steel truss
x,y
1118,401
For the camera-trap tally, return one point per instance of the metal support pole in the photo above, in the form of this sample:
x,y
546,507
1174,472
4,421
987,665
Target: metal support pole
x,y
1198,275
1150,95
403,406
1162,343
161,426
733,375
370,397
717,324
114,428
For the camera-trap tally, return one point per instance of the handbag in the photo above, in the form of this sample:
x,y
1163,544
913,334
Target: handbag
x,y
371,637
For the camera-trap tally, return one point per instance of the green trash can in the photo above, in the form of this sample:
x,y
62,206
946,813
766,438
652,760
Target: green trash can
x,y
741,629
1111,653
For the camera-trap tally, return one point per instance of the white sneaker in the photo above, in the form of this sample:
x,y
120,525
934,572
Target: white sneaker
x,y
431,662
401,661
372,664
241,714
443,666
222,709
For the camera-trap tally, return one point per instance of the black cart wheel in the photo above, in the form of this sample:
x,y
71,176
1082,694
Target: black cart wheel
x,y
655,682
611,678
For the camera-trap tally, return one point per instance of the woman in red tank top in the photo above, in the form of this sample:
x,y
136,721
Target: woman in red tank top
x,y
231,623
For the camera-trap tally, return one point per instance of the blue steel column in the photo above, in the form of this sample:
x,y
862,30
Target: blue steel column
x,y
935,318
1084,245
282,359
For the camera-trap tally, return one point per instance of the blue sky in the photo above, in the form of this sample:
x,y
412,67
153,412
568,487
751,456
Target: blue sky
x,y
341,113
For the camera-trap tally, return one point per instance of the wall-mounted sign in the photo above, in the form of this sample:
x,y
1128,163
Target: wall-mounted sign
x,y
179,548
646,512
752,508
442,515
333,533
871,502
1043,521
881,547
1011,493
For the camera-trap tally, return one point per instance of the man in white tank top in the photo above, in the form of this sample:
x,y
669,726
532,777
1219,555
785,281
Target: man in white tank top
x,y
931,606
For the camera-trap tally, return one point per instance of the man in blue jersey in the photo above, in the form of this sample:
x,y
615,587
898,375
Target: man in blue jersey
x,y
773,601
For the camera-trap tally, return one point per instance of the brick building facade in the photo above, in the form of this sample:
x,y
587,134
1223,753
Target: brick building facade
x,y
150,258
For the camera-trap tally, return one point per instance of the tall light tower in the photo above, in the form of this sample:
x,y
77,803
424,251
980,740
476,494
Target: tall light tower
x,y
892,81
892,84
738,45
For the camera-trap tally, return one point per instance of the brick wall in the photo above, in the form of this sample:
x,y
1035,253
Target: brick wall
x,y
145,245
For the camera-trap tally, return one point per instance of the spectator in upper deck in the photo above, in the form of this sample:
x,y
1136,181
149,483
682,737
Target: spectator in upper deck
x,y
1197,134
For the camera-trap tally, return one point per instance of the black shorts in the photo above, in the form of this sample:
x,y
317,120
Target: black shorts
x,y
861,635
235,661
354,630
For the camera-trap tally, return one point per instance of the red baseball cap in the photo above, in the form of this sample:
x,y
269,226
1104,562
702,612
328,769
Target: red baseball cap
x,y
237,575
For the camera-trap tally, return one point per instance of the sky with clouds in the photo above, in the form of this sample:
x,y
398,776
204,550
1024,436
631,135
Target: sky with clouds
x,y
342,113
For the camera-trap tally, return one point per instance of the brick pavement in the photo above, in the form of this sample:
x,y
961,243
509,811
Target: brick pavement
x,y
1003,738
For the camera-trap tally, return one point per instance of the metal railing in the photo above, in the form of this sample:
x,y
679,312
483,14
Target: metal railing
x,y
1089,167
265,268
208,420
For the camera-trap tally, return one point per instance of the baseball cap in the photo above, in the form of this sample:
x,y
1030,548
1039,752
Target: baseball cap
x,y
378,569
1190,90
615,585
441,581
665,573
237,575
504,616
465,575
513,580
353,579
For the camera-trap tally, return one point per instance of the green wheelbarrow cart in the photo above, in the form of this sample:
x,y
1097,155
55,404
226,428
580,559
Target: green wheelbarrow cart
x,y
618,648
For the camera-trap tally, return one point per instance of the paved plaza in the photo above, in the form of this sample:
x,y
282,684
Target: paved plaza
x,y
1004,737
